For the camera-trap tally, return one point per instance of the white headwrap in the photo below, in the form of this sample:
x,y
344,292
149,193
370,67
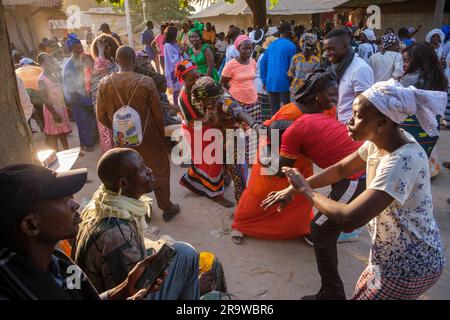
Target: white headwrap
x,y
397,103
433,32
370,35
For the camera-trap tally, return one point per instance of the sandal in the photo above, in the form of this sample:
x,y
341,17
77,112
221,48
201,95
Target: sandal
x,y
237,237
446,164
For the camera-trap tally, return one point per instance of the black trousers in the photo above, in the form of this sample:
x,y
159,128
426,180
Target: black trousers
x,y
276,98
325,233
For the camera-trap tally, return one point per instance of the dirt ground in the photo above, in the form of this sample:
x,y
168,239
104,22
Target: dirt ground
x,y
263,269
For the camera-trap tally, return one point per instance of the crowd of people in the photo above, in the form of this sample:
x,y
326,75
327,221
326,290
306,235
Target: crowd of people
x,y
367,110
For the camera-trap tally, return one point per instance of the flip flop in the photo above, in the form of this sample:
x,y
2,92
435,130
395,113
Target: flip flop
x,y
237,237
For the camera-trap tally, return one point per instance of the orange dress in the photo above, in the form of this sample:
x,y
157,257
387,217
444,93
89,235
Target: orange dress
x,y
294,220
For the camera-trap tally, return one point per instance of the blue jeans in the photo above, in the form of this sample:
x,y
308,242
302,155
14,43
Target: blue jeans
x,y
87,124
182,281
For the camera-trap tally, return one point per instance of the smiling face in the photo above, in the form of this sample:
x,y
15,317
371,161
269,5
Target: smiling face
x,y
194,39
335,48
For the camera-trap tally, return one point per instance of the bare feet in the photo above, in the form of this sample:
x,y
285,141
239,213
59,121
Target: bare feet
x,y
224,202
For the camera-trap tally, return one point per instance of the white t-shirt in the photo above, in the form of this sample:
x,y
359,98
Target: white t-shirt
x,y
405,237
366,50
258,81
357,78
231,53
386,65
25,101
221,46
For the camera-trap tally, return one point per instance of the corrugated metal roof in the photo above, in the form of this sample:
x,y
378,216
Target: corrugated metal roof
x,y
284,7
37,3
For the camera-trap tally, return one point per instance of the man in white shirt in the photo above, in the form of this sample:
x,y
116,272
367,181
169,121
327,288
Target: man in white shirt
x,y
368,47
25,101
389,62
354,75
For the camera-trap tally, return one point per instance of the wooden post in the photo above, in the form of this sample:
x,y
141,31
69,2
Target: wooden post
x,y
16,141
439,13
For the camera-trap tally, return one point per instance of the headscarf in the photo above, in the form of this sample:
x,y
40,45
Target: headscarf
x,y
308,39
72,40
446,30
369,34
206,88
433,32
241,39
252,36
388,40
318,80
198,27
398,102
183,67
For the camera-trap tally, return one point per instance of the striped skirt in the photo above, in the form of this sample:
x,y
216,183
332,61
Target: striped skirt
x,y
266,112
372,287
254,110
203,178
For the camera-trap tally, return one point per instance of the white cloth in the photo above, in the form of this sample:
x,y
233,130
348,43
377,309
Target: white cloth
x,y
405,237
386,65
25,101
258,81
272,30
433,32
231,53
398,103
447,69
357,78
446,47
221,46
370,34
366,50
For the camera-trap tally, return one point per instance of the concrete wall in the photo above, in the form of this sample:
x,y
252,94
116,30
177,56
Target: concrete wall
x,y
39,25
117,23
223,23
404,14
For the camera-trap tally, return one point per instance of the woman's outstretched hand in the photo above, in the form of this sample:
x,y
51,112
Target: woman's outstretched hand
x,y
282,198
297,181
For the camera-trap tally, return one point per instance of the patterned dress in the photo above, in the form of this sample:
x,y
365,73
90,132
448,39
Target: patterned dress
x,y
299,68
56,98
102,68
407,256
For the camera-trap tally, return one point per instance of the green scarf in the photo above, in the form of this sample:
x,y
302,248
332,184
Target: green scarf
x,y
106,204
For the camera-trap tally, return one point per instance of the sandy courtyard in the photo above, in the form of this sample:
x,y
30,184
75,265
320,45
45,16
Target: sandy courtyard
x,y
262,269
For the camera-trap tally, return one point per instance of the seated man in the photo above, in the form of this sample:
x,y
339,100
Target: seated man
x,y
111,242
36,212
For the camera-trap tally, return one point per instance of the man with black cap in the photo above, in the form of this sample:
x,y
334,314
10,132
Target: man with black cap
x,y
36,212
104,28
